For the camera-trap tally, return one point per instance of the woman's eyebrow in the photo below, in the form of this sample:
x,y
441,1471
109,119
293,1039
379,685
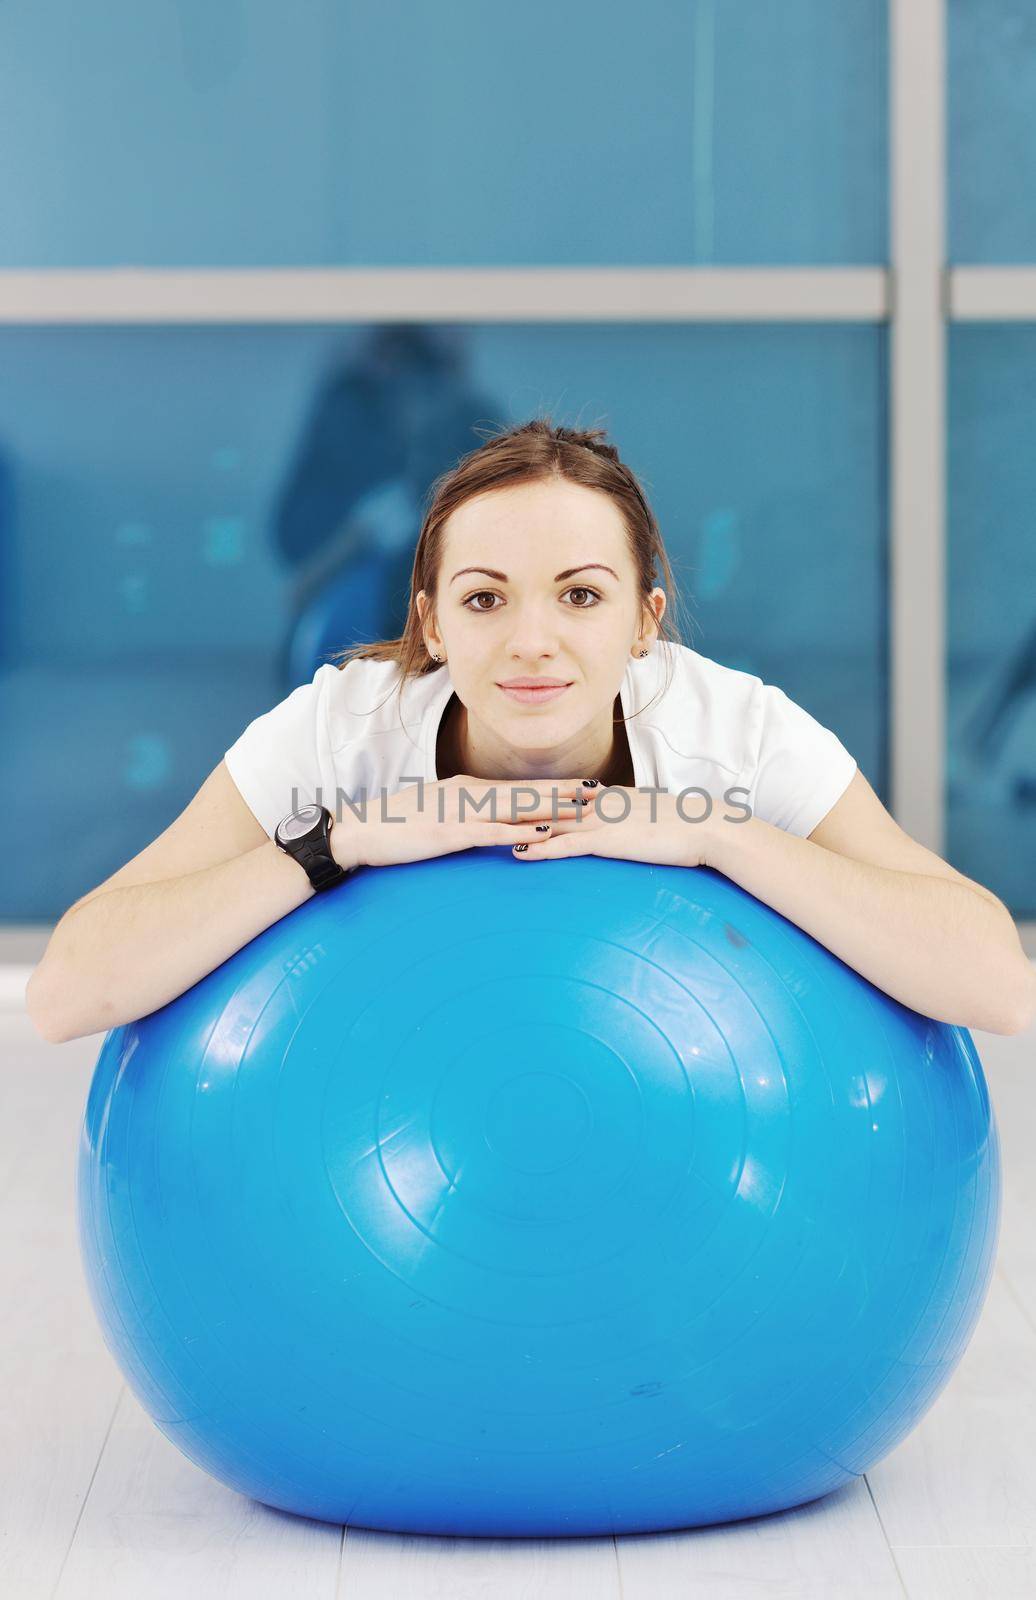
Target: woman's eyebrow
x,y
569,572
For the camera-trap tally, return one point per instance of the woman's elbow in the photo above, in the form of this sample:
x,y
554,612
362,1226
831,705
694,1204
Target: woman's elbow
x,y
40,1010
48,1003
1019,1012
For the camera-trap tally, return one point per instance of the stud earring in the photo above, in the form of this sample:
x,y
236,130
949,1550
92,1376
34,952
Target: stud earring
x,y
642,652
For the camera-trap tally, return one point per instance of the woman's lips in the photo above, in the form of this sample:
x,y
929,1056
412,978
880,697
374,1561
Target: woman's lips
x,y
536,697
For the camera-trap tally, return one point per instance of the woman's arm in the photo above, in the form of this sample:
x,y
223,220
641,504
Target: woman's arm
x,y
125,952
206,886
894,911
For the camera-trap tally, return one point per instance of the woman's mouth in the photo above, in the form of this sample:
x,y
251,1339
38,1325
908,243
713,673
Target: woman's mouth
x,y
535,697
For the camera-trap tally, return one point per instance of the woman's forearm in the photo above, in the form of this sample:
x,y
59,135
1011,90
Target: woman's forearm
x,y
930,942
129,950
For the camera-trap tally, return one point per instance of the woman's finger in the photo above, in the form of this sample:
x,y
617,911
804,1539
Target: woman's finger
x,y
557,846
547,811
510,832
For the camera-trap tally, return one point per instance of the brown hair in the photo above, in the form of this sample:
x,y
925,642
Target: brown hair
x,y
528,453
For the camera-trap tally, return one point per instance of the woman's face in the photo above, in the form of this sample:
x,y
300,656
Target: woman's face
x,y
554,596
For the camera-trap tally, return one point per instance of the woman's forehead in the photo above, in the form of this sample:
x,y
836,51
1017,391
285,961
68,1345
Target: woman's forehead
x,y
551,519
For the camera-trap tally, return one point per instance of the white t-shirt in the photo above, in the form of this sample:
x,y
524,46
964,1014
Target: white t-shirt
x,y
714,728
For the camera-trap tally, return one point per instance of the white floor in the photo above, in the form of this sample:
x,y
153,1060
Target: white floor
x,y
94,1501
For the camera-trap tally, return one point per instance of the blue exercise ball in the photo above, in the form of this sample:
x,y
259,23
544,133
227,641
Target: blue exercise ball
x,y
496,1198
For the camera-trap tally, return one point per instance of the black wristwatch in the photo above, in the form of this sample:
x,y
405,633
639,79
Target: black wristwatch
x,y
305,835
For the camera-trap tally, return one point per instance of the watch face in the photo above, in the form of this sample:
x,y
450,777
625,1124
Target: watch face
x,y
300,822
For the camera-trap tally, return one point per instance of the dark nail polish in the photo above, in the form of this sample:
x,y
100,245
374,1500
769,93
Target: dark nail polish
x,y
543,827
518,848
590,783
585,799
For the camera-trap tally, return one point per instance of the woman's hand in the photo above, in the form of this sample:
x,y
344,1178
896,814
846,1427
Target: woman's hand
x,y
436,819
631,825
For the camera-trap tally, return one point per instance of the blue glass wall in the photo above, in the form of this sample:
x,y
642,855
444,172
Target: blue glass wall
x,y
179,499
991,556
411,132
991,131
178,503
992,609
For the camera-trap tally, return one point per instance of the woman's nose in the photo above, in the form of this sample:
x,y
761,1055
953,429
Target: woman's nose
x,y
533,630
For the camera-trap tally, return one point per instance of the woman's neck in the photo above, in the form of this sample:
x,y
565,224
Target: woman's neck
x,y
456,752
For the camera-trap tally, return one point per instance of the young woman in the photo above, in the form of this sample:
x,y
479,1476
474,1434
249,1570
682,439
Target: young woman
x,y
537,697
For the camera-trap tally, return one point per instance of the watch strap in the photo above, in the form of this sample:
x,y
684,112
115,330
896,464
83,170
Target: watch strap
x,y
321,867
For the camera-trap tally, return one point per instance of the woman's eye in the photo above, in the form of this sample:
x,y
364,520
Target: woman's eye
x,y
487,594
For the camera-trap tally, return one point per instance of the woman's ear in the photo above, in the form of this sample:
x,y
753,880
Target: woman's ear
x,y
654,611
426,616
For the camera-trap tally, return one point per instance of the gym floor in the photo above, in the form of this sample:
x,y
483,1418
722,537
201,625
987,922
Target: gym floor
x,y
98,1502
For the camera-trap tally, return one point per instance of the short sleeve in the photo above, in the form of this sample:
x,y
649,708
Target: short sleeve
x,y
283,758
801,767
